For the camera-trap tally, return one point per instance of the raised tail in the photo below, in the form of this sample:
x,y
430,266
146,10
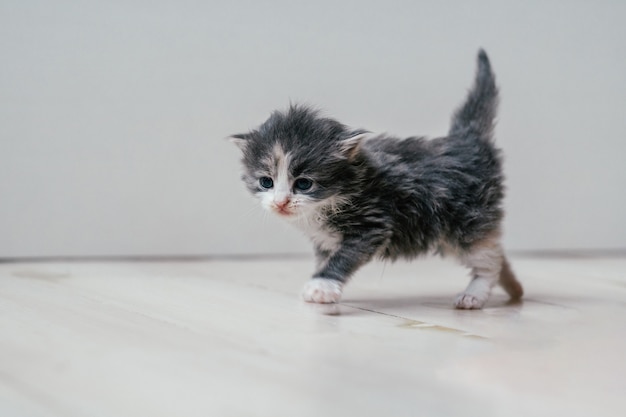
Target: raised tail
x,y
476,116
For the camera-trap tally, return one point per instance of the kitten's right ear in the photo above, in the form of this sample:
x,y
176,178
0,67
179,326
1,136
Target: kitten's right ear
x,y
240,139
349,147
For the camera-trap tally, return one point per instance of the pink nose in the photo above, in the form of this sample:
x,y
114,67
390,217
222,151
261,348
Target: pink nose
x,y
281,205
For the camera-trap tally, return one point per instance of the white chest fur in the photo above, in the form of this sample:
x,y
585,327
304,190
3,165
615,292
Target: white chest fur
x,y
319,233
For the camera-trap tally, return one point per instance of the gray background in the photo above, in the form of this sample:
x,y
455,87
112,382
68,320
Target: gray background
x,y
113,114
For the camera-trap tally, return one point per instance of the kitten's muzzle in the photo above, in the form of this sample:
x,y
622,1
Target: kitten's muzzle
x,y
282,207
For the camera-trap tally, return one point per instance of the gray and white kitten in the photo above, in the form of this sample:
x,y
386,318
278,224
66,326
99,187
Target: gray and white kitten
x,y
359,196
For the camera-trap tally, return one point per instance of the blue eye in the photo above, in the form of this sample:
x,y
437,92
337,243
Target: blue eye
x,y
303,184
266,182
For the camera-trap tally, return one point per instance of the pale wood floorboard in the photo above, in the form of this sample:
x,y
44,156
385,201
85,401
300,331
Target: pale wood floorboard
x,y
232,338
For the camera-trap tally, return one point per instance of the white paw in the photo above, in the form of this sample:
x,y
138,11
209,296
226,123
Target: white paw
x,y
322,290
467,301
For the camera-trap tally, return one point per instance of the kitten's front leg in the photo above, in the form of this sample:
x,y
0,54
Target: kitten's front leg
x,y
322,290
321,257
335,269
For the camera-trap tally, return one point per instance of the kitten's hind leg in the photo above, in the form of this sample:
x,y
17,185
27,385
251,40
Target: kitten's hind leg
x,y
508,281
485,259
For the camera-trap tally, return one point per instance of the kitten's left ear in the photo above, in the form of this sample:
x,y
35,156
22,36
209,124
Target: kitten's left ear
x,y
240,139
349,146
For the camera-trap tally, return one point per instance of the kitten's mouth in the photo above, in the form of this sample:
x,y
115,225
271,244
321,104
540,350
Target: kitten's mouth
x,y
284,211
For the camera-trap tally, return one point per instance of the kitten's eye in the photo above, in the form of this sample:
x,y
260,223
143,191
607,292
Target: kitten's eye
x,y
303,184
266,182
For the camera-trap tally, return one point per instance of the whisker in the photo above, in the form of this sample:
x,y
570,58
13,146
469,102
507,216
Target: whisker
x,y
251,211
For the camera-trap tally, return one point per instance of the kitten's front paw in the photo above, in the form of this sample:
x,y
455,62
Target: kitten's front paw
x,y
322,290
466,301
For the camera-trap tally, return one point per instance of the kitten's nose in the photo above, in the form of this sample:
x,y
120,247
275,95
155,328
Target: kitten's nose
x,y
282,204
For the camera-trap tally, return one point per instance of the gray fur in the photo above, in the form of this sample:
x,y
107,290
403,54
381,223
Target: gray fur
x,y
392,197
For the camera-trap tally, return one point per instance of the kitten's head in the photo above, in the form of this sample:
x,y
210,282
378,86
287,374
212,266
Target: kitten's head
x,y
298,162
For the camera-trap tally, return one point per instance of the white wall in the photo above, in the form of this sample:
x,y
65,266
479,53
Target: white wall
x,y
113,114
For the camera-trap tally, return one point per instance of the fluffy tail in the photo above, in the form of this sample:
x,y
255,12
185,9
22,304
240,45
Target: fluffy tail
x,y
476,116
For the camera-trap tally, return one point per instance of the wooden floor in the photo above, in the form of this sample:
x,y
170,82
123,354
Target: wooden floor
x,y
233,338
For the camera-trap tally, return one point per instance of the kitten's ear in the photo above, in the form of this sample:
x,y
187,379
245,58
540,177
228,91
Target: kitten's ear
x,y
240,139
349,146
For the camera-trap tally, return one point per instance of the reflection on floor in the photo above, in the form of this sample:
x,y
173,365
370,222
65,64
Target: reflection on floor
x,y
232,338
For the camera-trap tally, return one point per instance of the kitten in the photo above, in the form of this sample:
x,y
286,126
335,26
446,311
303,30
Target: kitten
x,y
359,196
